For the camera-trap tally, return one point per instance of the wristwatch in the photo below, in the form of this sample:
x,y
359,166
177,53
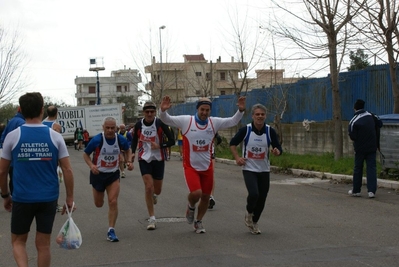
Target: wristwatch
x,y
5,196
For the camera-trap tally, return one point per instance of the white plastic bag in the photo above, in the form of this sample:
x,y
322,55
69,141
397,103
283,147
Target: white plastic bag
x,y
69,236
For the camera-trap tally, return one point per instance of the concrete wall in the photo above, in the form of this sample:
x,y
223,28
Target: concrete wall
x,y
317,139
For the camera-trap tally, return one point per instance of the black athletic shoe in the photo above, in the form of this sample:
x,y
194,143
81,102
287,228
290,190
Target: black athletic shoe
x,y
211,203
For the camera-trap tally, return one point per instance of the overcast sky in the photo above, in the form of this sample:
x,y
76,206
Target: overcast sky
x,y
61,36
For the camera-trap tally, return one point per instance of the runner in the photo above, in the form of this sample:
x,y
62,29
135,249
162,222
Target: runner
x,y
149,136
104,169
198,134
122,131
257,137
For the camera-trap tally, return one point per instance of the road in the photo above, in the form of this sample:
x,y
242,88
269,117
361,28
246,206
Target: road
x,y
307,222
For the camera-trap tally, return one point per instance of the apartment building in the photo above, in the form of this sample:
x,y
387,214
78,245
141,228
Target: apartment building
x,y
120,87
193,78
197,77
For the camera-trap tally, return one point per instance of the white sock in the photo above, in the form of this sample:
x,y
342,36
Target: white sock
x,y
152,218
110,228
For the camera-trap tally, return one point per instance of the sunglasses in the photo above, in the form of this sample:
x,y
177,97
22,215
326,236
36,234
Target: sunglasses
x,y
149,111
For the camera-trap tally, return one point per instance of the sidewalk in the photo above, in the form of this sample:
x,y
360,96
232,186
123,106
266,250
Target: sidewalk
x,y
325,175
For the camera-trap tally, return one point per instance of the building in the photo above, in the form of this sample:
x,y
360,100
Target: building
x,y
193,78
120,87
196,77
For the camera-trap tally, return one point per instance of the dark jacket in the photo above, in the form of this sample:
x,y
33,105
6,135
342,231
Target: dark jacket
x,y
362,132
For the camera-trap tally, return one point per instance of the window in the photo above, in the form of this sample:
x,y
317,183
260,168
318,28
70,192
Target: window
x,y
208,76
92,89
198,74
197,92
222,92
126,88
119,88
223,76
92,102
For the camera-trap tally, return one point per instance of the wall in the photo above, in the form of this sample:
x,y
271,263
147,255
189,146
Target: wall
x,y
297,140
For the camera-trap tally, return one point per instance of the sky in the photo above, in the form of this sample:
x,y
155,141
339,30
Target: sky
x,y
59,37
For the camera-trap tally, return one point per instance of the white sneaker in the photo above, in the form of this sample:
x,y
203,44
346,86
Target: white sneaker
x,y
350,192
155,199
248,220
199,229
123,175
152,224
371,195
255,229
190,215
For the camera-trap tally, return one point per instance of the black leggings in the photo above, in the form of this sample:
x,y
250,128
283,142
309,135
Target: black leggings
x,y
258,184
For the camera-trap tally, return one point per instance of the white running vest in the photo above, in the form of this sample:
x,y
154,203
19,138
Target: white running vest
x,y
256,151
199,140
149,134
108,160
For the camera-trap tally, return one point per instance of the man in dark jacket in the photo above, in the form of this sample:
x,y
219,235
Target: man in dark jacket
x,y
362,131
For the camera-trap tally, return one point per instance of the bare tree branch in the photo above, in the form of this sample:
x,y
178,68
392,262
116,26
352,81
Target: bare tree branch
x,y
12,64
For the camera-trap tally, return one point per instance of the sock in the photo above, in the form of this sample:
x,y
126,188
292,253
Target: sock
x,y
152,218
110,228
191,208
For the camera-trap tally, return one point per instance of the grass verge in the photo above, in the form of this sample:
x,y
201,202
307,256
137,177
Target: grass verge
x,y
320,163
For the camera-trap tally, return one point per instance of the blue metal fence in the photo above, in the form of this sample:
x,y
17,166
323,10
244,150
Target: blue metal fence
x,y
311,98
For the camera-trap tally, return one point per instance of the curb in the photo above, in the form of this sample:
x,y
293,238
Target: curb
x,y
325,175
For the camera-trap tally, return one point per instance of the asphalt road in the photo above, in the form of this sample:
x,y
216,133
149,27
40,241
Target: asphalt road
x,y
306,222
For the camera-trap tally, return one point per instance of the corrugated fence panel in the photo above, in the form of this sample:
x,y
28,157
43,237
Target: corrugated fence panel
x,y
311,99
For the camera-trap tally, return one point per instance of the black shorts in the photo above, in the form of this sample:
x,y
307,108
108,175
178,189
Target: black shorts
x,y
103,179
155,168
23,214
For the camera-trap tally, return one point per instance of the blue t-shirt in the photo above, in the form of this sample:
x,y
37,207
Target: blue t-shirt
x,y
13,124
35,158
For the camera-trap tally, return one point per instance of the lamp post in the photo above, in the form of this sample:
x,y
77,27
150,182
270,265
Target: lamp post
x,y
96,68
160,56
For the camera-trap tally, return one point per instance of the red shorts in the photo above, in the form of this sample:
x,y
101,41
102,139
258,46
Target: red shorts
x,y
199,180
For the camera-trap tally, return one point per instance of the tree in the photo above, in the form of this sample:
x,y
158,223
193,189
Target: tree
x,y
12,64
7,111
381,27
358,60
329,21
249,47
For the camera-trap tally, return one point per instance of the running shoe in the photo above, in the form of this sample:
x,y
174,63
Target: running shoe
x,y
211,203
199,229
350,192
255,229
190,215
123,175
152,224
248,220
371,195
112,236
155,199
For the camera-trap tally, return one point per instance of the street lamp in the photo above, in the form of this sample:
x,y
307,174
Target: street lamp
x,y
94,67
160,56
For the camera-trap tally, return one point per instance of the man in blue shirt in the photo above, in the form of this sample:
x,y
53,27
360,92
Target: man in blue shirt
x,y
35,151
104,169
13,124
